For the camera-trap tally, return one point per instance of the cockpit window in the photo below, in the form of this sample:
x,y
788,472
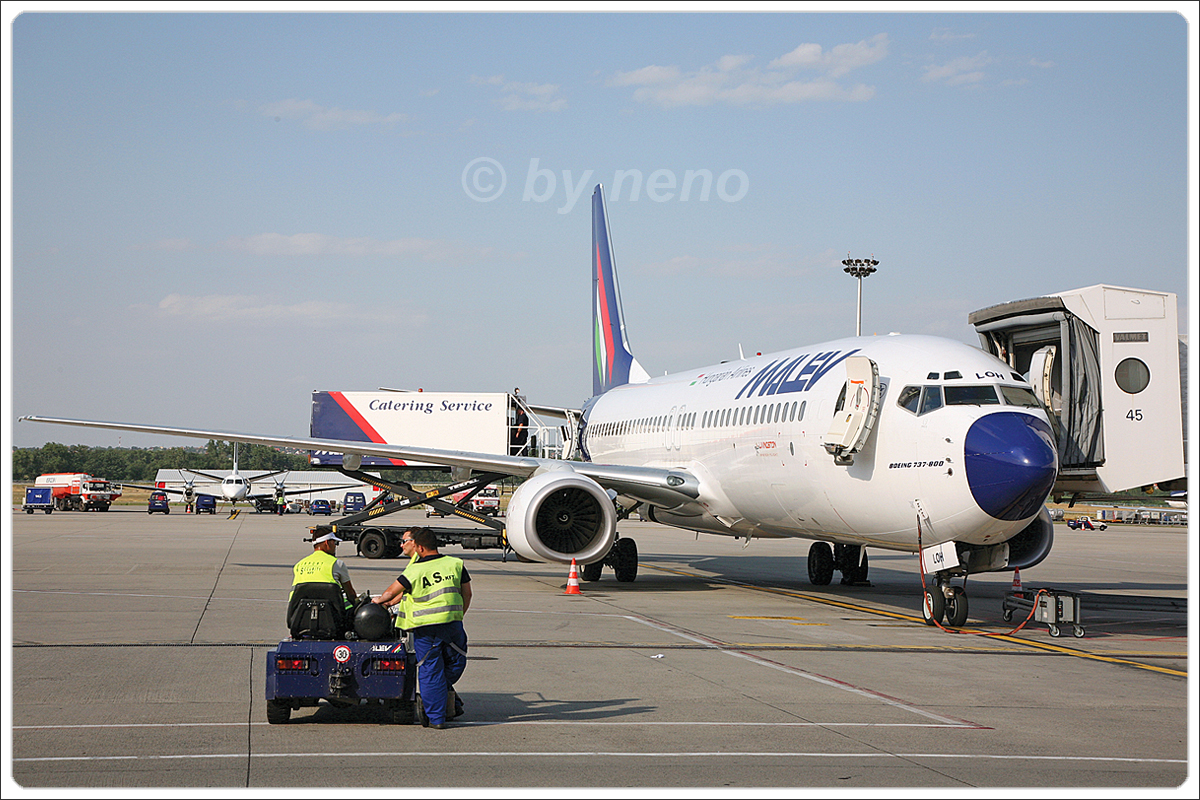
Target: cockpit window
x,y
924,399
931,399
910,398
1019,396
971,396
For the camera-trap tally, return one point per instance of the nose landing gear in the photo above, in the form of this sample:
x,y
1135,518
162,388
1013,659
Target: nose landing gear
x,y
943,601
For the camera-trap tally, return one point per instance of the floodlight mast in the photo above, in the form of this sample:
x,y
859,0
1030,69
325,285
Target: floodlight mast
x,y
859,268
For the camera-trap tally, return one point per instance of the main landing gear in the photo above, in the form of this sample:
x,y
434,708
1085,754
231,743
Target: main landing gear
x,y
848,559
623,558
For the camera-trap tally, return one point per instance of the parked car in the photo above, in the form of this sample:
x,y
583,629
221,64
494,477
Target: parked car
x,y
158,502
206,504
1086,524
320,506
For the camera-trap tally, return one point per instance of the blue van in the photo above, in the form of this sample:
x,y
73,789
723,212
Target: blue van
x,y
206,504
158,502
353,502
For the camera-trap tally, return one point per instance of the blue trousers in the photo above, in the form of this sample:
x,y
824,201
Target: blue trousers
x,y
441,658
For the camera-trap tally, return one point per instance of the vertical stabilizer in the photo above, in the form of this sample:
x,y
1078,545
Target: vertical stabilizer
x,y
614,364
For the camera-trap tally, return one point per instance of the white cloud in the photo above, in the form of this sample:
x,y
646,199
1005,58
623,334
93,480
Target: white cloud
x,y
319,244
838,61
729,81
524,96
170,245
959,70
248,308
321,118
748,262
947,35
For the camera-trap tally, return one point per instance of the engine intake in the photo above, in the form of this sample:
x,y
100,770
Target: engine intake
x,y
1029,547
561,515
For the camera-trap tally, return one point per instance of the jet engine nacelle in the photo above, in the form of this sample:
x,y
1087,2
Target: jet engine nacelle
x,y
561,515
1028,548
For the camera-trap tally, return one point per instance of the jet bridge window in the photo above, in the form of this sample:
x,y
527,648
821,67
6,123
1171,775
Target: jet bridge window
x,y
1132,375
971,396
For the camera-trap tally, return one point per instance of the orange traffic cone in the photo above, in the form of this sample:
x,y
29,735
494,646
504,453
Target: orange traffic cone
x,y
573,580
1016,587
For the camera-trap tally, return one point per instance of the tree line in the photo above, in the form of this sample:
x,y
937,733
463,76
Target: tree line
x,y
134,464
141,465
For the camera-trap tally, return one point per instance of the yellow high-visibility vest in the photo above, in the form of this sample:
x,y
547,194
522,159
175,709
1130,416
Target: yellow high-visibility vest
x,y
436,591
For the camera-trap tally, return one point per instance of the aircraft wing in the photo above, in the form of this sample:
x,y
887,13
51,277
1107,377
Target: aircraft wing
x,y
151,488
288,492
666,488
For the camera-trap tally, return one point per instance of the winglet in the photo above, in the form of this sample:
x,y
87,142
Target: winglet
x,y
614,364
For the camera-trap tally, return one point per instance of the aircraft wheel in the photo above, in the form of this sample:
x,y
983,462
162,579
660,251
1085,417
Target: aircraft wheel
x,y
372,544
627,560
933,605
820,564
591,572
956,607
855,568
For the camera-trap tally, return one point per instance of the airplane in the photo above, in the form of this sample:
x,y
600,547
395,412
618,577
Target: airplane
x,y
235,486
907,443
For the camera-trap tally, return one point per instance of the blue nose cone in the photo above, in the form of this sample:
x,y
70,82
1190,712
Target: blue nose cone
x,y
1011,463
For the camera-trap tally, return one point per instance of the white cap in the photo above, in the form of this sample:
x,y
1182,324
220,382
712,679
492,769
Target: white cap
x,y
329,537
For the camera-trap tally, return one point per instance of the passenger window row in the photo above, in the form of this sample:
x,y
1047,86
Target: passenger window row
x,y
764,414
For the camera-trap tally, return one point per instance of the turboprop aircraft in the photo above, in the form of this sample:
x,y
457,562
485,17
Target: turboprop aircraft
x,y
904,443
235,486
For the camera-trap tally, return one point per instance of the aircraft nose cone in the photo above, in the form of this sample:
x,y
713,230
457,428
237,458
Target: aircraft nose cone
x,y
1011,461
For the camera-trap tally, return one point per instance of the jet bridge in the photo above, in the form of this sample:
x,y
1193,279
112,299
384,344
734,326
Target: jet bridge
x,y
1105,361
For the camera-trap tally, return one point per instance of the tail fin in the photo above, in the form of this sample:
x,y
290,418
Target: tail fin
x,y
614,364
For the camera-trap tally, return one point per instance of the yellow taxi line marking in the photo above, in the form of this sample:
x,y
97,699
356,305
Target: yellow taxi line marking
x,y
1003,637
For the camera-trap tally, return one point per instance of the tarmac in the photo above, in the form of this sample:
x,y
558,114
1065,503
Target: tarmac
x,y
137,646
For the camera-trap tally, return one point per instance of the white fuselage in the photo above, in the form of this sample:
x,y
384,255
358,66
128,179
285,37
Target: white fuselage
x,y
753,432
235,487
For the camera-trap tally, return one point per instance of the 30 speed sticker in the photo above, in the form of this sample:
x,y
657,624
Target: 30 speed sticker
x,y
341,654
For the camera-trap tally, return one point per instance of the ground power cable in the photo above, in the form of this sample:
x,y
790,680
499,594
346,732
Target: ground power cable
x,y
938,622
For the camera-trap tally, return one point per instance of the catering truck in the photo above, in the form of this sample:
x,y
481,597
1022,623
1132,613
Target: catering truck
x,y
477,422
78,491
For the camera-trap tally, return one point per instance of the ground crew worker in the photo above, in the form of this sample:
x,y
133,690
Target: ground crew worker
x,y
280,504
402,610
440,590
323,566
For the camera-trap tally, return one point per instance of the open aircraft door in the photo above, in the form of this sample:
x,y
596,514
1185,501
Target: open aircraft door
x,y
856,411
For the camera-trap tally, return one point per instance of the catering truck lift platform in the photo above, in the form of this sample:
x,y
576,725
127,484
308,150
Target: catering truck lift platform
x,y
378,540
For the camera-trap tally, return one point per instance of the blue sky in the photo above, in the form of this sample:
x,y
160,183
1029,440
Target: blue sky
x,y
212,215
